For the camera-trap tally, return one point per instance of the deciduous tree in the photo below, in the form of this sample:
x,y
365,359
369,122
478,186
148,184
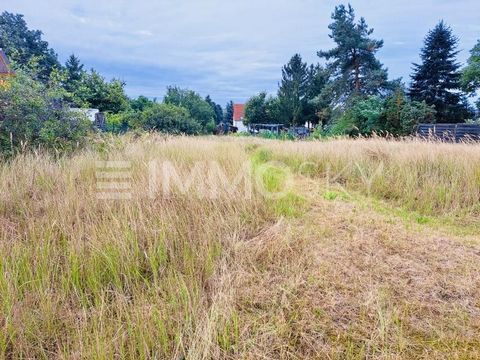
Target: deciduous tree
x,y
31,115
95,92
471,74
168,118
26,47
198,108
261,109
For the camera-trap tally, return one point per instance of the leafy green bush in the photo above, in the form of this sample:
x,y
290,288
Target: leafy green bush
x,y
166,118
31,115
318,133
395,114
121,122
345,124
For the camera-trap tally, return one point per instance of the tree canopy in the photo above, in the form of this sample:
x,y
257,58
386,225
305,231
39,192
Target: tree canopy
x,y
262,109
95,92
74,73
167,118
228,116
199,109
353,65
471,74
30,116
26,47
217,109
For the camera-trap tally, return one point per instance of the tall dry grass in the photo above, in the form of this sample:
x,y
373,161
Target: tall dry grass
x,y
430,177
88,278
350,281
166,276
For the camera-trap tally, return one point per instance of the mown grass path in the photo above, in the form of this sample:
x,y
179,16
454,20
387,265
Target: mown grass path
x,y
346,281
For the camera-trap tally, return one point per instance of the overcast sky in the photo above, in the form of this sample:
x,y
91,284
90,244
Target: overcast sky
x,y
229,49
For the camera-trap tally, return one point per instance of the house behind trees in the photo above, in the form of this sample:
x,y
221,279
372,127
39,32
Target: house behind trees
x,y
238,117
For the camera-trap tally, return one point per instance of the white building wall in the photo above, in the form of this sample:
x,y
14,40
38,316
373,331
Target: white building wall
x,y
89,113
241,126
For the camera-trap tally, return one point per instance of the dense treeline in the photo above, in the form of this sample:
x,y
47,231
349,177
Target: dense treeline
x,y
352,94
36,103
349,93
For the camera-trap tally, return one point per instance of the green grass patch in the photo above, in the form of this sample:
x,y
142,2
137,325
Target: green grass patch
x,y
273,178
261,156
290,205
450,223
228,334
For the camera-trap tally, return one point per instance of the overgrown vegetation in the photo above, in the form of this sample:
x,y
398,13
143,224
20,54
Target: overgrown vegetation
x,y
352,95
430,178
339,249
39,75
310,274
348,94
32,117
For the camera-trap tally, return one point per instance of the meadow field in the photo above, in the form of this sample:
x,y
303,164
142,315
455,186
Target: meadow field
x,y
241,248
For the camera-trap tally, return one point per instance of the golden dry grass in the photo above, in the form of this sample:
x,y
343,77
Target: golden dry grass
x,y
336,268
347,283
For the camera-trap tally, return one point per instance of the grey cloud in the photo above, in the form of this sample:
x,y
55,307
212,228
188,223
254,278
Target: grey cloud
x,y
230,49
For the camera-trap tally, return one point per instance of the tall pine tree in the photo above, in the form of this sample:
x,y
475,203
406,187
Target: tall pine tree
x,y
75,72
74,68
318,95
293,90
437,79
352,62
217,109
228,118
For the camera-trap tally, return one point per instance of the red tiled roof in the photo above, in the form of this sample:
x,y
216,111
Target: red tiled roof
x,y
238,112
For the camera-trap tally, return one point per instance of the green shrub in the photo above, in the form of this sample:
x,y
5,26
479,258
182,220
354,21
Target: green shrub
x,y
166,118
395,114
32,116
